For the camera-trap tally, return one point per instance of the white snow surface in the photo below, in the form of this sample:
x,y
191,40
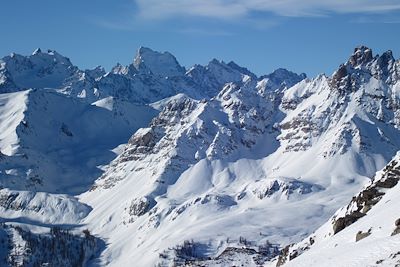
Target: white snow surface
x,y
379,248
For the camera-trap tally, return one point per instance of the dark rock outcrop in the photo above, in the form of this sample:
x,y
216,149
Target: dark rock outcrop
x,y
361,55
368,197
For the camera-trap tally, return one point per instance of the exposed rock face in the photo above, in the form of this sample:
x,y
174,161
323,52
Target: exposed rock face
x,y
361,235
361,55
285,187
396,231
140,206
338,76
367,198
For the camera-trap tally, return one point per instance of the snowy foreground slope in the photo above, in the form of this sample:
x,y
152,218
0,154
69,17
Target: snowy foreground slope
x,y
223,168
366,232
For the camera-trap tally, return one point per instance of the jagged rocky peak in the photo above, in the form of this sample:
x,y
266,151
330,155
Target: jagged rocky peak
x,y
386,58
361,55
163,64
362,65
386,67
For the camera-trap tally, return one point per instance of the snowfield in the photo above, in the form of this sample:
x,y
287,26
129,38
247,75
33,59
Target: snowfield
x,y
209,166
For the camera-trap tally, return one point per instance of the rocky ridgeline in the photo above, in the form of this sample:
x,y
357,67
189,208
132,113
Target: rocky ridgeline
x,y
333,104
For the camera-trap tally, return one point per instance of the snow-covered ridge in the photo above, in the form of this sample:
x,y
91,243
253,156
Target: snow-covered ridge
x,y
152,76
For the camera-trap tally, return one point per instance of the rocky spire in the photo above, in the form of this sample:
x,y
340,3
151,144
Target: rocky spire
x,y
361,55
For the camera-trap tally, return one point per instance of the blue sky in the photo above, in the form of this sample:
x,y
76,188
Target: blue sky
x,y
304,36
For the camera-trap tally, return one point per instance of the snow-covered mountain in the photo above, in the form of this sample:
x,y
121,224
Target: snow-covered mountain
x,y
152,76
246,161
223,167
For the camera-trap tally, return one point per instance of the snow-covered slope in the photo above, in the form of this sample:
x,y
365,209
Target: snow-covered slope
x,y
249,162
363,233
53,147
51,138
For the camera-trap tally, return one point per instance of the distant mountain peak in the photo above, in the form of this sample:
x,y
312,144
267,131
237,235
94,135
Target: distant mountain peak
x,y
362,65
281,78
284,72
148,61
361,55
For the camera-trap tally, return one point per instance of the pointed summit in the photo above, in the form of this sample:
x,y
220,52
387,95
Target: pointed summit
x,y
385,59
163,64
361,55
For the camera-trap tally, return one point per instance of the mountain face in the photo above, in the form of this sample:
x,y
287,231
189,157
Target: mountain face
x,y
209,166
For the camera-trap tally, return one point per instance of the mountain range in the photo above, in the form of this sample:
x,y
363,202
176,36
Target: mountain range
x,y
153,164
